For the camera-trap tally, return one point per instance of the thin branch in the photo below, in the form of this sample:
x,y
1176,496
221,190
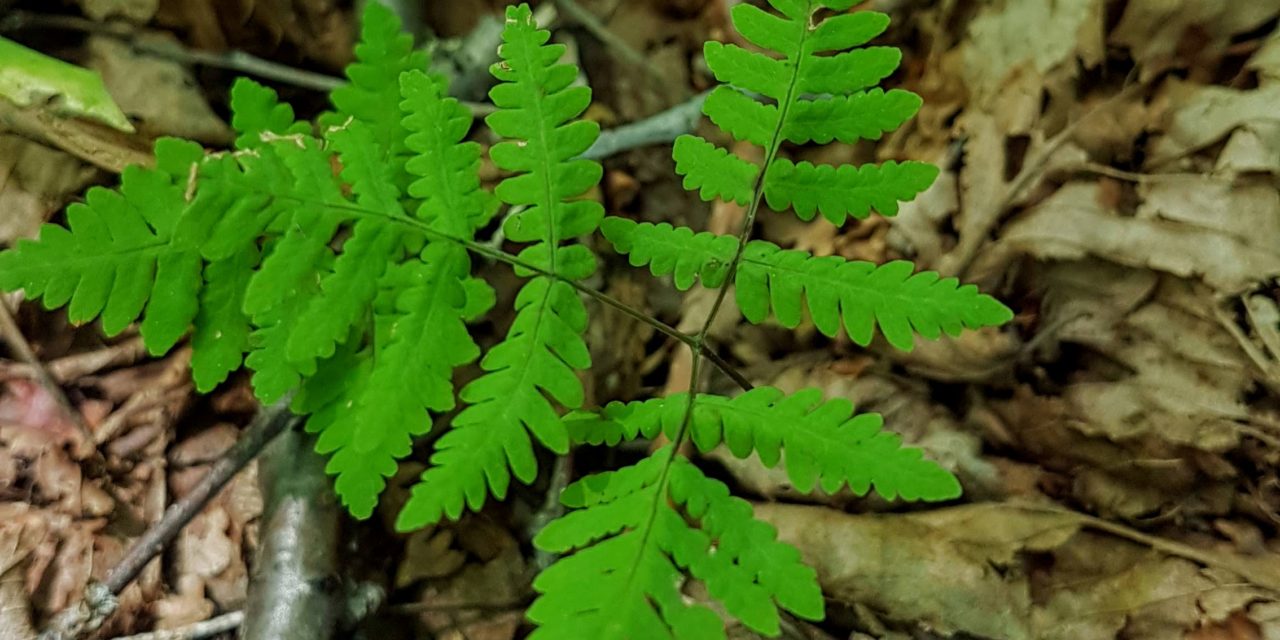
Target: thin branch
x,y
1262,574
99,601
657,129
203,629
591,23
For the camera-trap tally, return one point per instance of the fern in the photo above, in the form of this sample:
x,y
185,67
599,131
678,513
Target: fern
x,y
634,528
630,536
534,367
825,443
815,98
336,266
119,257
858,295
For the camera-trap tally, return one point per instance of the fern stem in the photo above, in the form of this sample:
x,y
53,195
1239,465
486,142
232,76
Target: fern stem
x,y
498,255
699,341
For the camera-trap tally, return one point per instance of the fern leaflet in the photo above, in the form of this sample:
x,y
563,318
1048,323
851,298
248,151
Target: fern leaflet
x,y
119,257
834,291
823,442
814,98
490,440
634,529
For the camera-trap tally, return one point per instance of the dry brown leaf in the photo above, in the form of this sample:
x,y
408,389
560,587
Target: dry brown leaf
x,y
468,605
205,446
968,569
34,183
185,607
1182,379
1200,116
1030,37
1157,31
1072,224
428,553
17,541
161,94
917,229
138,11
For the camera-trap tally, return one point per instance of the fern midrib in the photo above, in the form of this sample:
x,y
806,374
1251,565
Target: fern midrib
x,y
838,283
158,248
748,223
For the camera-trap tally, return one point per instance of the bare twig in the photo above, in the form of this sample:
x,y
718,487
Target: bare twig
x,y
1261,574
12,334
552,508
657,129
99,601
204,629
591,23
293,590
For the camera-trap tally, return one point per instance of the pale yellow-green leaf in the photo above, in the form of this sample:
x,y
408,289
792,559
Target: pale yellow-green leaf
x,y
31,79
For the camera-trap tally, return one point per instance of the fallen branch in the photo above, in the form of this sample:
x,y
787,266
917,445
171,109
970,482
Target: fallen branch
x,y
203,629
99,600
294,589
657,129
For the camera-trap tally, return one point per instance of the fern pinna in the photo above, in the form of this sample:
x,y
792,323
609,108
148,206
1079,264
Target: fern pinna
x,y
350,290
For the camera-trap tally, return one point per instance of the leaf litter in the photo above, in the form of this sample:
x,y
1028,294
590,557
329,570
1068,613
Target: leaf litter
x,y
1107,168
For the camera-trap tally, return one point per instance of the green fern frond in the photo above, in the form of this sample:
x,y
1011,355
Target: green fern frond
x,y
119,258
348,290
840,192
810,98
423,334
490,439
373,94
222,329
823,442
637,532
256,110
861,296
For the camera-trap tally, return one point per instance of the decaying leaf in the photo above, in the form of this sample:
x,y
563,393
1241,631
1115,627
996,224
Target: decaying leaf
x,y
1073,223
29,78
1007,571
159,93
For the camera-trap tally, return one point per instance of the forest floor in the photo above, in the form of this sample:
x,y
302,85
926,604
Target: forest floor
x,y
1110,170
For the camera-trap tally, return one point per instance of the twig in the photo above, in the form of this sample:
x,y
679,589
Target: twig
x,y
591,23
1259,573
552,507
204,629
12,334
293,589
99,601
657,129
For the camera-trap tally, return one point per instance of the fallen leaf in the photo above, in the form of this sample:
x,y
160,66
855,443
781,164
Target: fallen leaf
x,y
1071,224
973,569
1034,35
35,181
136,11
161,94
30,78
1157,31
